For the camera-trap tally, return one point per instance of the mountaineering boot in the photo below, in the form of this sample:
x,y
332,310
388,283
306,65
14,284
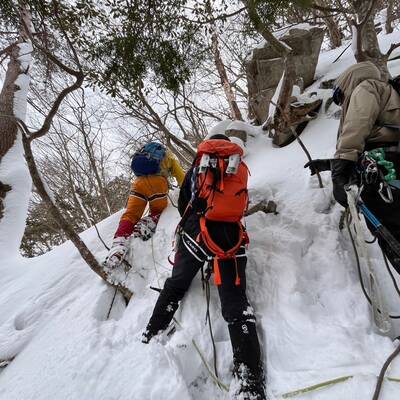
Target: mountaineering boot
x,y
164,310
251,384
247,361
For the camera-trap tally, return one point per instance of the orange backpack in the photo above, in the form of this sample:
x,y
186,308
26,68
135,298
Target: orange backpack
x,y
222,182
225,193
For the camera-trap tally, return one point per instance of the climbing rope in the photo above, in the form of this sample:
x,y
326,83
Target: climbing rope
x,y
317,386
206,287
383,371
332,382
347,218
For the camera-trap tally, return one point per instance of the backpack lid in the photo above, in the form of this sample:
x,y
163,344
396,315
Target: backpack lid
x,y
219,148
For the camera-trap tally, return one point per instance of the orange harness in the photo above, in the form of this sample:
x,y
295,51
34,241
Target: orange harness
x,y
219,253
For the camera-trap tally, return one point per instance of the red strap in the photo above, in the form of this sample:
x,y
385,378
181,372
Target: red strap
x,y
221,168
237,281
217,272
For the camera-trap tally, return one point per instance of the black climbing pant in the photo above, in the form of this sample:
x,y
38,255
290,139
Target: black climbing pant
x,y
235,307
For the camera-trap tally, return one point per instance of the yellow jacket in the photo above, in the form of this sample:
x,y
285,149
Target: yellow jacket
x,y
170,167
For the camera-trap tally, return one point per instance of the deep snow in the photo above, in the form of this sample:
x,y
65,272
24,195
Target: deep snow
x,y
314,322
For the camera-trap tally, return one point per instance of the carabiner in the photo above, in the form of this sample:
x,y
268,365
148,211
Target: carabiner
x,y
389,198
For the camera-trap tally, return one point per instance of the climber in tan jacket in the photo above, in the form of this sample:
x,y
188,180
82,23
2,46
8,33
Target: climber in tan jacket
x,y
367,103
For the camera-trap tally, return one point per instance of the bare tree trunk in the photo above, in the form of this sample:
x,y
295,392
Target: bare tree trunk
x,y
335,36
367,39
229,92
8,126
15,183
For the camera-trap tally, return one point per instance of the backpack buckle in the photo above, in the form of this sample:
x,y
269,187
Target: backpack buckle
x,y
233,164
204,163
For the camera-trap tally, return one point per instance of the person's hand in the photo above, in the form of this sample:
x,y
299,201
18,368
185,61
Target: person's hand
x,y
117,253
342,171
318,165
146,227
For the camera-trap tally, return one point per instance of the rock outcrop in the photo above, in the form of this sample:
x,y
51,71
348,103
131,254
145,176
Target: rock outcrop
x,y
264,68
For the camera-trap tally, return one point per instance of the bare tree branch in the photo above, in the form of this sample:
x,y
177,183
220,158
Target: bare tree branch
x,y
86,254
393,47
56,105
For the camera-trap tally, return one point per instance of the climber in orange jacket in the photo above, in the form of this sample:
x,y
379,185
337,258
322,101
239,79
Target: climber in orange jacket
x,y
152,165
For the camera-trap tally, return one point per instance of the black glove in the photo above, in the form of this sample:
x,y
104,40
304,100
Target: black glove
x,y
342,170
318,165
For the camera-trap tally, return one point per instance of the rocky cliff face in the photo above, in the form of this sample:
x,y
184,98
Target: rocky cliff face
x,y
264,68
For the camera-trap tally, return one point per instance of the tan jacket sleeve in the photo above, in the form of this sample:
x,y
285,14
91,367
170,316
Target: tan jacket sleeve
x,y
358,123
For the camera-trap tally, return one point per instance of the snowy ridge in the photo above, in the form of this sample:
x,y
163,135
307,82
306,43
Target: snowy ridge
x,y
314,322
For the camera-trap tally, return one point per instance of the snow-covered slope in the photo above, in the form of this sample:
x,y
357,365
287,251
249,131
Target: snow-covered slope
x,y
313,320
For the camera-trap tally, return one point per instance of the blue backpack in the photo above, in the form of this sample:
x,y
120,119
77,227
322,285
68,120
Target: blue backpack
x,y
147,160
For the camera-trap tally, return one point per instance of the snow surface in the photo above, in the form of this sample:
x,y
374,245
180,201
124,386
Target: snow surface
x,y
314,323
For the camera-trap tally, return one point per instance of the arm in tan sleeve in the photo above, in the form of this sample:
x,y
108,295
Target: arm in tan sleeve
x,y
362,113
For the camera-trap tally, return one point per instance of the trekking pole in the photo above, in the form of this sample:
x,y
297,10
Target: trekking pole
x,y
381,230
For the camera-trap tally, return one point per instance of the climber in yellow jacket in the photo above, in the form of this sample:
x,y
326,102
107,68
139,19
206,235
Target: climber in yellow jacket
x,y
153,164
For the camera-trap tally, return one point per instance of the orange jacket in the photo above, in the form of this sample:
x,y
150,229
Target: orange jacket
x,y
152,189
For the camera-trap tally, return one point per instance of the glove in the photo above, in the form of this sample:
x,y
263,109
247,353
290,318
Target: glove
x,y
117,253
318,165
342,170
146,227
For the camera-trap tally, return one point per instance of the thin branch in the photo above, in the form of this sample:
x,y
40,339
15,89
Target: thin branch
x,y
331,9
263,30
217,18
54,109
64,33
393,47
